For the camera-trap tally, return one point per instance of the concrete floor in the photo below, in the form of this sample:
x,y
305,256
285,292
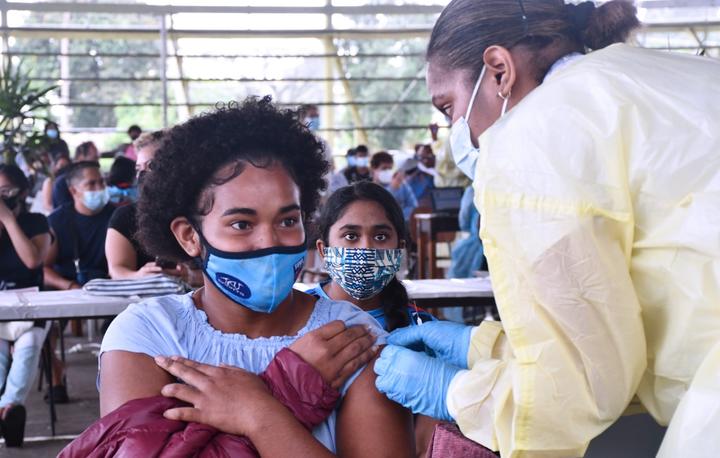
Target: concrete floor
x,y
72,418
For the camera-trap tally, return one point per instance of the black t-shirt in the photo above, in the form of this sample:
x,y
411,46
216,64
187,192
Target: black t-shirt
x,y
60,192
13,273
84,235
123,221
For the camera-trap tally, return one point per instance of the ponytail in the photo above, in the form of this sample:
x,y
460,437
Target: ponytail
x,y
394,299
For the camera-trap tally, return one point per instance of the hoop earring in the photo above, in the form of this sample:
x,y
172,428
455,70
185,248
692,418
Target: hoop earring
x,y
506,99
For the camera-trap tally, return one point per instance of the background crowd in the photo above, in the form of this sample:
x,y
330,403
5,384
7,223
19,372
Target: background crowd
x,y
79,223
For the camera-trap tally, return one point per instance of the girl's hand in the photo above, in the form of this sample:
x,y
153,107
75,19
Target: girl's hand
x,y
149,269
229,399
335,351
6,215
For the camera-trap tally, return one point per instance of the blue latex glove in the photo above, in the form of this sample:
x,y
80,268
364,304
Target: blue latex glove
x,y
448,340
415,380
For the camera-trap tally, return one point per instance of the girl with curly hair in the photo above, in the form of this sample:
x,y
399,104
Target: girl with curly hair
x,y
232,188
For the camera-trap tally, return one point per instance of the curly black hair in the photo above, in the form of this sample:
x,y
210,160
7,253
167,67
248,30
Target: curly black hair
x,y
255,131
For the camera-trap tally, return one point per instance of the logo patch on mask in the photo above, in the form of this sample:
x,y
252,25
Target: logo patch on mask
x,y
232,284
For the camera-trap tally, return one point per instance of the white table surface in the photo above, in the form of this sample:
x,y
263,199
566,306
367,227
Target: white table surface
x,y
454,288
59,304
439,289
79,304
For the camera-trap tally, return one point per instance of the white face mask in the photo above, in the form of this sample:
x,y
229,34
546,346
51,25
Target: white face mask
x,y
95,200
385,176
464,152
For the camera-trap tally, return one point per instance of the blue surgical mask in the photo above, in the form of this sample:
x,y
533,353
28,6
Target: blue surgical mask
x,y
362,272
52,133
95,200
259,280
352,161
313,123
118,195
463,151
362,162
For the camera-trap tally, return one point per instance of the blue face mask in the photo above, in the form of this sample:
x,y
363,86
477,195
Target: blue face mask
x,y
259,280
52,133
313,123
362,272
352,161
362,162
95,200
118,195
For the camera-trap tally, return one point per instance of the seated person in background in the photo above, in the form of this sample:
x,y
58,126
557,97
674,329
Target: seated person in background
x,y
58,168
421,178
363,239
60,192
467,254
381,166
358,169
256,172
361,170
121,182
53,142
126,258
338,179
24,241
134,133
77,253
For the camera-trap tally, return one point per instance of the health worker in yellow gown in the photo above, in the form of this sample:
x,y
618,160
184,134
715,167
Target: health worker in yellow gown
x,y
596,168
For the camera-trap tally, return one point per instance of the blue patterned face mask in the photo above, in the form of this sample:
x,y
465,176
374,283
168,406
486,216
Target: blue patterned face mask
x,y
259,280
362,272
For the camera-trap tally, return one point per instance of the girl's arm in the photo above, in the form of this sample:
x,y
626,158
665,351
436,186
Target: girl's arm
x,y
118,385
121,256
369,424
51,278
46,194
30,251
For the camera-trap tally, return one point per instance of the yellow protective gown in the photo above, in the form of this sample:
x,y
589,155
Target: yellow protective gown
x,y
600,201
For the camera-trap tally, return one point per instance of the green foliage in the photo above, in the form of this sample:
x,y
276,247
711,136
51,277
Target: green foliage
x,y
21,105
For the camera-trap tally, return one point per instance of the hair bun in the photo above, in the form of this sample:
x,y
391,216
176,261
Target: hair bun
x,y
609,23
580,14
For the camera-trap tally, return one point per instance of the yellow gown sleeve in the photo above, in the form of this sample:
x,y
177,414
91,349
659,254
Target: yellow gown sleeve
x,y
557,228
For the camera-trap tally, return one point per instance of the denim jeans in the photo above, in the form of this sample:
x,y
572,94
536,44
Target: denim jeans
x,y
21,373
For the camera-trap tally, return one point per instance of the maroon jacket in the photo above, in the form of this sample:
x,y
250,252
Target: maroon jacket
x,y
138,428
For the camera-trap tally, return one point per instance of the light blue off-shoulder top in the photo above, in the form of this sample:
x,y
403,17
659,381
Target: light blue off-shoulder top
x,y
173,325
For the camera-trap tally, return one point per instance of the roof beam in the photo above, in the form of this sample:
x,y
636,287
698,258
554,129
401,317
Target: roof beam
x,y
139,8
153,33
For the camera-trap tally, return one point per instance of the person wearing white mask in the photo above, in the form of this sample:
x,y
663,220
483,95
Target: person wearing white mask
x,y
597,176
381,168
